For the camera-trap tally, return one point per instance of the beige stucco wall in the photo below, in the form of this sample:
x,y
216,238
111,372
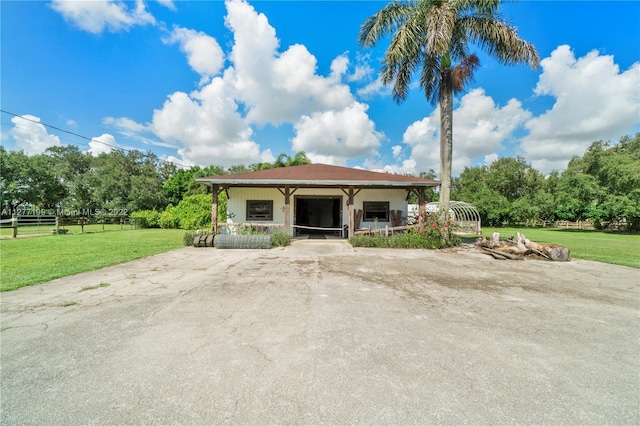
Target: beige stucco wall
x,y
236,205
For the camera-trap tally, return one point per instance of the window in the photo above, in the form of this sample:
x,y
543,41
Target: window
x,y
259,209
376,210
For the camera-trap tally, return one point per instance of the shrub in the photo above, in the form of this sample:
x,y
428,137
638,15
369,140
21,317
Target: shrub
x,y
280,239
169,218
193,212
146,218
431,233
188,238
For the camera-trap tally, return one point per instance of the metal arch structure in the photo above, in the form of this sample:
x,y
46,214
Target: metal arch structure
x,y
465,216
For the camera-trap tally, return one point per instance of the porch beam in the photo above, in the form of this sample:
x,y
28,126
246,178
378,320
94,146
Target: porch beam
x,y
215,190
422,200
350,200
287,208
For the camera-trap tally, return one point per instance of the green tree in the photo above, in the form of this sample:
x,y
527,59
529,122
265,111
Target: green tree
x,y
435,36
612,188
285,160
28,181
508,190
178,184
472,187
16,176
130,181
576,195
73,167
193,212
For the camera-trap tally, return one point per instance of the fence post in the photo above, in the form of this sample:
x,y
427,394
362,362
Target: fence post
x,y
14,225
57,225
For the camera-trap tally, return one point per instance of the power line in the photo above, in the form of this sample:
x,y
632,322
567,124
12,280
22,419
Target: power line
x,y
43,132
83,137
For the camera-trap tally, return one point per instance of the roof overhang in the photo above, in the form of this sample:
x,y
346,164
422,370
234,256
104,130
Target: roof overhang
x,y
317,176
254,183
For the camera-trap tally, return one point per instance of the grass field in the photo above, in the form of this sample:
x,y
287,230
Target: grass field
x,y
27,261
607,247
74,229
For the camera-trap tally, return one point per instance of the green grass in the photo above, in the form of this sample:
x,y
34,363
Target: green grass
x,y
73,229
27,261
607,247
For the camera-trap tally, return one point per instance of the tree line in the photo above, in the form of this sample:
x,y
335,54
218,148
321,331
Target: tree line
x,y
602,185
66,179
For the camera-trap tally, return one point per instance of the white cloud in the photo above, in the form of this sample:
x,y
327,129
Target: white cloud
x,y
208,127
213,125
490,158
362,70
594,101
181,163
339,67
168,4
407,166
372,89
98,16
278,87
479,128
327,159
102,144
396,150
346,133
204,54
31,136
124,124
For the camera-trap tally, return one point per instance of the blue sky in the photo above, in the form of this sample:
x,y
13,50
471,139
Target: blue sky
x,y
213,82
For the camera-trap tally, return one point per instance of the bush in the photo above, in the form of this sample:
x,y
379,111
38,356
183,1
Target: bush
x,y
193,212
280,239
146,218
431,233
188,238
169,218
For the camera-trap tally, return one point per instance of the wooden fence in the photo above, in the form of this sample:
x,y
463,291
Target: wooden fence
x,y
582,224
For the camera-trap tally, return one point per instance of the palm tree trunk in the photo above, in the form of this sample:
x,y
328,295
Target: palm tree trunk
x,y
446,140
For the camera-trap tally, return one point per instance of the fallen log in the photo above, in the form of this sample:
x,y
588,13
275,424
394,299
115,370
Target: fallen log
x,y
502,254
519,246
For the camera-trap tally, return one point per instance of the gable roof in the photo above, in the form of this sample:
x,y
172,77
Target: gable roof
x,y
318,175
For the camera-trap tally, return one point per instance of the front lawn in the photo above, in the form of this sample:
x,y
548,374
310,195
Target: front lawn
x,y
27,261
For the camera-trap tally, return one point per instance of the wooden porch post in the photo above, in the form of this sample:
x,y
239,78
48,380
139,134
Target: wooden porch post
x,y
422,200
214,207
350,201
287,209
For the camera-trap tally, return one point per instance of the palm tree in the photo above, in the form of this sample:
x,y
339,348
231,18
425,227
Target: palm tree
x,y
285,160
436,35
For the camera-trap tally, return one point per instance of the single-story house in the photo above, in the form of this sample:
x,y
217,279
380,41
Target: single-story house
x,y
316,197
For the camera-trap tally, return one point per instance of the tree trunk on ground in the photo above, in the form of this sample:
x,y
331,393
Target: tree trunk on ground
x,y
522,246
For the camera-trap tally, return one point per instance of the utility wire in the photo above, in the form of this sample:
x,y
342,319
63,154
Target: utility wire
x,y
84,137
43,132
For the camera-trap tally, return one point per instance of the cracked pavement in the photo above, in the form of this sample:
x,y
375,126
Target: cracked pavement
x,y
321,333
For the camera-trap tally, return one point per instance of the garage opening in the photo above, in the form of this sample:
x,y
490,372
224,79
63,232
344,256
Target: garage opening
x,y
318,216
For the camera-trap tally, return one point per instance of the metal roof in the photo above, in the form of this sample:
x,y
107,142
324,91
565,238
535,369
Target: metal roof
x,y
318,175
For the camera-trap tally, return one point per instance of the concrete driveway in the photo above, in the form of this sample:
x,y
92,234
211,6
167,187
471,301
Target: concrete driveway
x,y
320,333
